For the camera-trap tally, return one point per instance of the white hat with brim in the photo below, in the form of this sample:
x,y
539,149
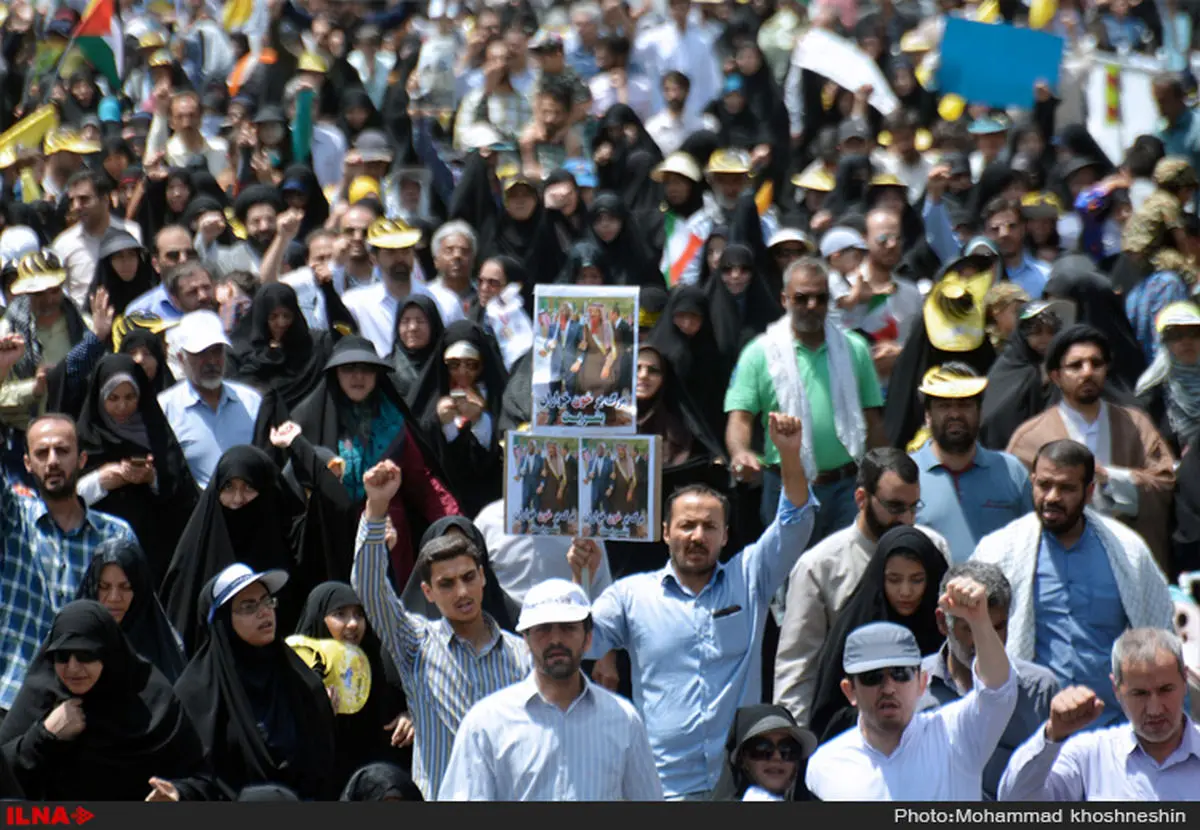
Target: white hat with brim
x,y
806,739
681,164
237,577
785,235
553,601
38,283
198,331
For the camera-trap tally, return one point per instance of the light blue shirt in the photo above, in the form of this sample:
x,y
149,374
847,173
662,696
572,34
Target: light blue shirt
x,y
697,657
1103,765
205,435
939,233
1030,275
514,745
156,301
1079,616
964,507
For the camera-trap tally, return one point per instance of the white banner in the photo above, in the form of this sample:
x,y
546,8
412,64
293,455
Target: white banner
x,y
842,62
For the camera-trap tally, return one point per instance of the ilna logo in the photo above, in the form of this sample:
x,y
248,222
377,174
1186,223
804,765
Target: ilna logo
x,y
22,816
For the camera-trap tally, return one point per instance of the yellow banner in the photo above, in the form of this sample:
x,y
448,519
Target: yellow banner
x,y
30,130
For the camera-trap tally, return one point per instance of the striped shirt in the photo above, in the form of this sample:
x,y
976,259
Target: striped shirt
x,y
40,572
515,745
441,673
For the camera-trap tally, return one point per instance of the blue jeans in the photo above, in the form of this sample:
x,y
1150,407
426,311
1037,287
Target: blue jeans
x,y
837,505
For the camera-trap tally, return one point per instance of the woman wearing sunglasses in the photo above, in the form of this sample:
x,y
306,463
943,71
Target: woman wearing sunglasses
x,y
900,585
764,755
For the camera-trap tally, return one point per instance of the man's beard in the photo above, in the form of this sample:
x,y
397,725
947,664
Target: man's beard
x,y
876,527
59,491
262,241
956,443
559,671
400,273
1069,520
808,323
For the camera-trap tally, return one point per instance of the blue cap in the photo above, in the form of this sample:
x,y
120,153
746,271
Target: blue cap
x,y
733,83
294,184
988,125
109,110
583,170
237,576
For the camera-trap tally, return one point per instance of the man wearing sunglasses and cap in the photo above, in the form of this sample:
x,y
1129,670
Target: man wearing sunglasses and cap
x,y
893,754
556,735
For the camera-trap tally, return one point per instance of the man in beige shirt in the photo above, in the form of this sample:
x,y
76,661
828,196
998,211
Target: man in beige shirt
x,y
888,494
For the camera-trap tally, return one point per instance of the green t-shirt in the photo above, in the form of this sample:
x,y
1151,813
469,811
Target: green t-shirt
x,y
751,390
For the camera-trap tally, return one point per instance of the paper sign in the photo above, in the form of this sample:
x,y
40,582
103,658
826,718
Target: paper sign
x,y
971,52
842,62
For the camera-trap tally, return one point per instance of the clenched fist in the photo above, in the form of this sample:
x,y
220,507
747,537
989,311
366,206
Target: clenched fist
x,y
1071,710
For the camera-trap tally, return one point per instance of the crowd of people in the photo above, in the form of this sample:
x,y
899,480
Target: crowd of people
x,y
925,385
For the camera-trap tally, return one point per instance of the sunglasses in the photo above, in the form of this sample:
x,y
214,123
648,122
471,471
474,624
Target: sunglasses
x,y
181,255
454,364
802,299
901,674
63,657
764,749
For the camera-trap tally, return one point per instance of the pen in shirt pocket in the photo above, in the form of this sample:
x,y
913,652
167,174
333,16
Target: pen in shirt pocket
x,y
725,612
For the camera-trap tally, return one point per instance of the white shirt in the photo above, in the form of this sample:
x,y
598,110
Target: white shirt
x,y
449,303
1104,765
520,562
665,48
514,745
80,253
640,94
308,296
941,755
215,152
1077,424
374,309
669,131
914,176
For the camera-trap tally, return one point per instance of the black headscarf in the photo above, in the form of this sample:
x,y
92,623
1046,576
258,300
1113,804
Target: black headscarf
x,y
358,97
142,337
145,623
121,292
733,782
159,514
316,206
868,604
628,260
136,727
850,186
259,533
292,369
409,364
581,255
739,319
699,361
381,782
361,737
495,601
1074,277
238,695
1015,392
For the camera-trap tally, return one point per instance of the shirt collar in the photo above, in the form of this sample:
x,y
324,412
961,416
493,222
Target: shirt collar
x,y
449,637
667,575
531,693
43,513
194,396
1190,746
927,459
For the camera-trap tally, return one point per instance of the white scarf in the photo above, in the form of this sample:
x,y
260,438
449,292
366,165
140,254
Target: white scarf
x,y
779,346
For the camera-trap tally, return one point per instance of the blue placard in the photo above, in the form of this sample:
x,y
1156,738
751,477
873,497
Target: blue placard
x,y
997,64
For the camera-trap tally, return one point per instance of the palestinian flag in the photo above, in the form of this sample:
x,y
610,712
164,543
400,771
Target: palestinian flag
x,y
100,39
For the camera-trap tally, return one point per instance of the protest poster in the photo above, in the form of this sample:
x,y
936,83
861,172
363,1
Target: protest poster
x,y
1029,57
584,346
541,484
841,61
619,483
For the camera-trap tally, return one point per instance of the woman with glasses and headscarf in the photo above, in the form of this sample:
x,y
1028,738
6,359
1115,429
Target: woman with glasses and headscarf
x,y
764,756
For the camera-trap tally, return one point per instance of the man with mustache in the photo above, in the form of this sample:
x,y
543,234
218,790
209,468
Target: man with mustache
x,y
888,494
1080,578
554,736
1155,756
53,527
694,628
967,491
1135,468
896,754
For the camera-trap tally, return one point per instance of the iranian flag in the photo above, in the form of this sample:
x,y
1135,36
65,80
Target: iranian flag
x,y
100,39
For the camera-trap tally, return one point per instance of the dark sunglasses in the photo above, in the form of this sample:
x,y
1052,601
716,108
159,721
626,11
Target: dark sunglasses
x,y
63,657
901,674
802,299
764,749
181,255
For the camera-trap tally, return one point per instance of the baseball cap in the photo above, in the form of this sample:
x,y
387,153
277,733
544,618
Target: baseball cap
x,y
554,601
853,128
880,645
373,145
784,235
1177,314
583,170
200,330
839,239
545,41
238,576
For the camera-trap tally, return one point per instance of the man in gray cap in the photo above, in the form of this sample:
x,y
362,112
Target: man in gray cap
x,y
937,755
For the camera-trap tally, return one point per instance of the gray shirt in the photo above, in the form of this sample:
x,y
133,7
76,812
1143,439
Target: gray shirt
x,y
1036,687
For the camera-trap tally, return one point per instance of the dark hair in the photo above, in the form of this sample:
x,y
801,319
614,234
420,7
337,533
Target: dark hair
x,y
886,460
697,490
244,280
999,205
678,77
187,268
1172,81
556,89
999,589
116,144
1146,152
616,43
1067,453
901,119
1073,336
443,549
101,182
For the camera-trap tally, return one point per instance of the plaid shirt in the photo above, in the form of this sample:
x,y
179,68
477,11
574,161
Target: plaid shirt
x,y
509,113
40,571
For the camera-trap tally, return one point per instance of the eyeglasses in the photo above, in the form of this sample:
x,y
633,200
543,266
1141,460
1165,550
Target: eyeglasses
x,y
885,238
802,299
63,657
181,255
251,607
899,508
764,749
454,364
901,674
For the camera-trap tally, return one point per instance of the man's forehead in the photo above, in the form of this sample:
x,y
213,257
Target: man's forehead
x,y
455,568
52,433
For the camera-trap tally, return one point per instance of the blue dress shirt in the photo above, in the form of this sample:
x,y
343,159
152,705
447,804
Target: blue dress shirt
x,y
156,301
204,434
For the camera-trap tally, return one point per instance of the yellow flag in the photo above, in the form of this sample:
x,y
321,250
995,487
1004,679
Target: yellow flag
x,y
764,197
236,14
30,130
988,11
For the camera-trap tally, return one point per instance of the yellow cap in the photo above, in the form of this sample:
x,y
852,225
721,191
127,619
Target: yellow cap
x,y
922,139
951,107
940,382
681,164
160,59
312,62
343,667
152,40
67,140
886,180
392,235
362,187
815,178
915,42
507,170
955,309
729,161
37,272
1177,314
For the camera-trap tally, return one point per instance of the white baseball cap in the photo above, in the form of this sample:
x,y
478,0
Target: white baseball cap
x,y
839,239
238,576
553,601
199,330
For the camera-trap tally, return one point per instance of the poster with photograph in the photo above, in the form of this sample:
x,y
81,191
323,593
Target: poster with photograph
x,y
584,347
619,482
541,484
